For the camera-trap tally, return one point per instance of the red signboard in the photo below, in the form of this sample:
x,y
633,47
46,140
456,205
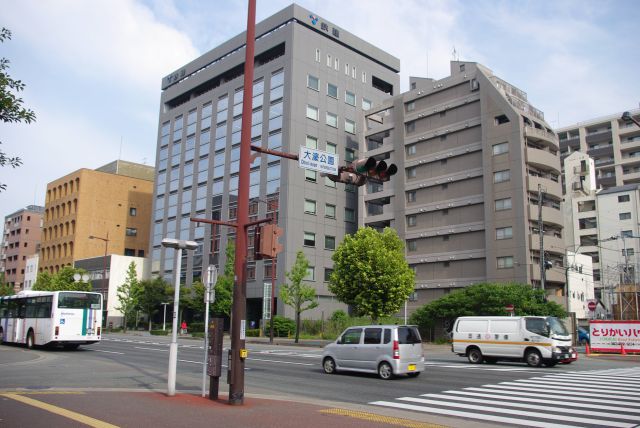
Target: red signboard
x,y
509,308
592,306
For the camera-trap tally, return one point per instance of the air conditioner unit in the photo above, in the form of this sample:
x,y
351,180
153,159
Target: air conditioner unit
x,y
577,185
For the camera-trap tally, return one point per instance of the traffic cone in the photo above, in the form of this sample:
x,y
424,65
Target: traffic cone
x,y
622,351
588,351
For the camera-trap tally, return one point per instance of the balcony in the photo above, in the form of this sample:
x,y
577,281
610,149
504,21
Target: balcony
x,y
549,215
378,213
543,159
537,135
551,187
552,244
555,274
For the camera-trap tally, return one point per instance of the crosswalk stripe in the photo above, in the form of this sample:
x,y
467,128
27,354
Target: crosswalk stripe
x,y
555,417
616,380
537,388
484,417
556,407
570,382
588,381
487,392
567,386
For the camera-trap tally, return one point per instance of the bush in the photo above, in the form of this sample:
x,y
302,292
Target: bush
x,y
195,327
253,332
283,327
159,332
339,316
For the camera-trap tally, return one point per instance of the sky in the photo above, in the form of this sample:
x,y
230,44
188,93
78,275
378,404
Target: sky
x,y
93,68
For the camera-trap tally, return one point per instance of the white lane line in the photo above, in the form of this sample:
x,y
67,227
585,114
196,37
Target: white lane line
x,y
107,352
557,417
470,415
524,396
282,362
527,406
536,388
151,349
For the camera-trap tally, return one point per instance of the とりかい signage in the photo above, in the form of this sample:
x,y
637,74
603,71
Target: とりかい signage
x,y
612,335
318,160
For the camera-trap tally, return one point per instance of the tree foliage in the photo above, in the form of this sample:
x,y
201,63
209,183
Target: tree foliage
x,y
296,294
128,294
152,292
371,274
61,281
11,110
5,288
487,299
224,284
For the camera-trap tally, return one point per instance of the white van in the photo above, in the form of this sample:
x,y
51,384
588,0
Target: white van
x,y
535,340
387,350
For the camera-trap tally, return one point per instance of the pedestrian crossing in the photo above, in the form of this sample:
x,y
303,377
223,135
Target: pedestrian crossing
x,y
597,398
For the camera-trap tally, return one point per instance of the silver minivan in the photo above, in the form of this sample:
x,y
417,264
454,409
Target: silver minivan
x,y
387,350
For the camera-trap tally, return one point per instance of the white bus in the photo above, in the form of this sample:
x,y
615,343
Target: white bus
x,y
38,318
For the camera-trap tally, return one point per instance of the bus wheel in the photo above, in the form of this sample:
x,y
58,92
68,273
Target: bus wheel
x,y
30,340
1,336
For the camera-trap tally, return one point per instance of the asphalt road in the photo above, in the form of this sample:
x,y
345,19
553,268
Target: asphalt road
x,y
130,362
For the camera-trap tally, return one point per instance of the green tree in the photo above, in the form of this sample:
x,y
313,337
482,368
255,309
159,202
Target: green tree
x,y
128,294
11,110
224,284
5,288
151,293
371,273
296,294
486,299
61,281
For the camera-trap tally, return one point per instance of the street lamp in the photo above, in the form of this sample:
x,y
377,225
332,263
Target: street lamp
x,y
164,317
626,116
178,244
105,289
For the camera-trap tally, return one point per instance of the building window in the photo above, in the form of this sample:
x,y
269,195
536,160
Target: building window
x,y
626,234
349,126
410,127
329,242
505,262
131,231
310,175
504,232
498,149
499,120
411,196
503,204
313,83
327,274
411,106
309,239
311,274
411,150
310,206
412,245
129,252
312,112
411,220
411,172
317,55
501,176
349,215
332,120
624,198
311,142
330,211
332,90
329,64
366,104
350,98
625,216
364,77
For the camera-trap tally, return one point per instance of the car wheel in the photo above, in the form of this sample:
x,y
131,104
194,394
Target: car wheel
x,y
413,374
475,356
30,340
533,358
329,366
384,371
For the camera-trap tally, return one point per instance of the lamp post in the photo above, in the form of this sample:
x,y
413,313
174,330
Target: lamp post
x,y
105,288
178,244
164,316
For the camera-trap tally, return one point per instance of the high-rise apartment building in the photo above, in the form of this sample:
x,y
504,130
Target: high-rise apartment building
x,y
111,203
312,81
20,239
613,143
474,157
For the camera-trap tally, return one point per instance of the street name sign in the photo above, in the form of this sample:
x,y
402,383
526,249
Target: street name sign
x,y
318,160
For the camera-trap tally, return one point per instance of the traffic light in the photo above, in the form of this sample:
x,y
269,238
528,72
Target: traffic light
x,y
548,264
266,241
348,177
377,170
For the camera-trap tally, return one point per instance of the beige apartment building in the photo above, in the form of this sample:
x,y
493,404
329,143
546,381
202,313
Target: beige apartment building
x,y
112,204
472,155
20,239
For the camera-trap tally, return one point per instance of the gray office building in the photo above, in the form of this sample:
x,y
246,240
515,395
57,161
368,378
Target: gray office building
x,y
472,154
312,82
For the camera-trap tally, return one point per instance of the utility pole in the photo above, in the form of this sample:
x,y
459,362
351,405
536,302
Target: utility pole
x,y
541,233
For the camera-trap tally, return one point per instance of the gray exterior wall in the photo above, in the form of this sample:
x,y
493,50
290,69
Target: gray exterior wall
x,y
442,134
201,187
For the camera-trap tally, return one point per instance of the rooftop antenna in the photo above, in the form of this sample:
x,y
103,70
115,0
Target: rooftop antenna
x,y
454,54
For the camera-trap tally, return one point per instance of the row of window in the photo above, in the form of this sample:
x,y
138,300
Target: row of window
x,y
334,62
332,91
63,189
310,207
313,113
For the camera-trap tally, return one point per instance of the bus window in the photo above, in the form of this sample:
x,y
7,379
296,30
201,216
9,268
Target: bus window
x,y
43,307
31,308
22,307
69,300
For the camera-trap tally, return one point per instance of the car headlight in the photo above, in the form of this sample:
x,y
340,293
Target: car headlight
x,y
554,349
